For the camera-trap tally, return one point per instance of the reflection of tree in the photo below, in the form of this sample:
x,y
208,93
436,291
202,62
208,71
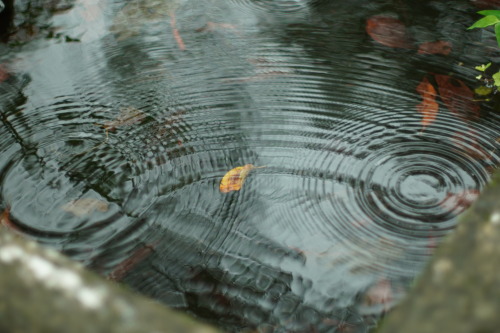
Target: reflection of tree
x,y
11,92
24,20
221,275
6,17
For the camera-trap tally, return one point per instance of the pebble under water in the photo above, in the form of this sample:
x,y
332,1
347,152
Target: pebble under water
x,y
114,142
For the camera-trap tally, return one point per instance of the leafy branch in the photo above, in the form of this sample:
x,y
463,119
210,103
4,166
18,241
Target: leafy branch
x,y
491,18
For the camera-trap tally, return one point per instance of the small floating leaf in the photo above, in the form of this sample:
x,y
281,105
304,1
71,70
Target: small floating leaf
x,y
496,78
233,180
482,68
124,267
85,206
483,91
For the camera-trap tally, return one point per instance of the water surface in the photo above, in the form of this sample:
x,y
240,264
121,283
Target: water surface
x,y
113,147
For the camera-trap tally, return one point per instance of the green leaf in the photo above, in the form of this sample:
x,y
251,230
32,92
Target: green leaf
x,y
483,91
497,33
482,68
496,78
490,12
485,22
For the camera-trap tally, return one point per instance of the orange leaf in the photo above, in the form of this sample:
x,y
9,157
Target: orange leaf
x,y
388,31
437,47
233,180
429,108
457,97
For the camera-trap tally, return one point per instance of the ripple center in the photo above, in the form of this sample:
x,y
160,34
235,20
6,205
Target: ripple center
x,y
422,188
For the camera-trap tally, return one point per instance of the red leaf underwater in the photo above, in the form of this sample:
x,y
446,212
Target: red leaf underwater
x,y
124,267
457,97
437,47
388,31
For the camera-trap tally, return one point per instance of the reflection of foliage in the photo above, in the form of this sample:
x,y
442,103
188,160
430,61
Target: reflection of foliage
x,y
491,17
130,20
489,79
31,19
491,82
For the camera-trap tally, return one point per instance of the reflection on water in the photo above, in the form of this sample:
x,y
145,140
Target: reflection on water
x,y
113,149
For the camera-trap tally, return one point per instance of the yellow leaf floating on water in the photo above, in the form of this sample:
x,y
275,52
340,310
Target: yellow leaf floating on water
x,y
233,180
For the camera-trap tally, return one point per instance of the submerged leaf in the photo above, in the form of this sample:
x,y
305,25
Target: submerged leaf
x,y
388,31
429,108
457,97
460,200
175,33
5,220
380,294
124,267
128,116
437,47
85,206
233,180
4,74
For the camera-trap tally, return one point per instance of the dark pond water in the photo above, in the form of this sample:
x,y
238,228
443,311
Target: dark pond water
x,y
116,132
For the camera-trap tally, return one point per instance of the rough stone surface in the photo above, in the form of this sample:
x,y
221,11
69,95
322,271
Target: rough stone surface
x,y
42,291
459,292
